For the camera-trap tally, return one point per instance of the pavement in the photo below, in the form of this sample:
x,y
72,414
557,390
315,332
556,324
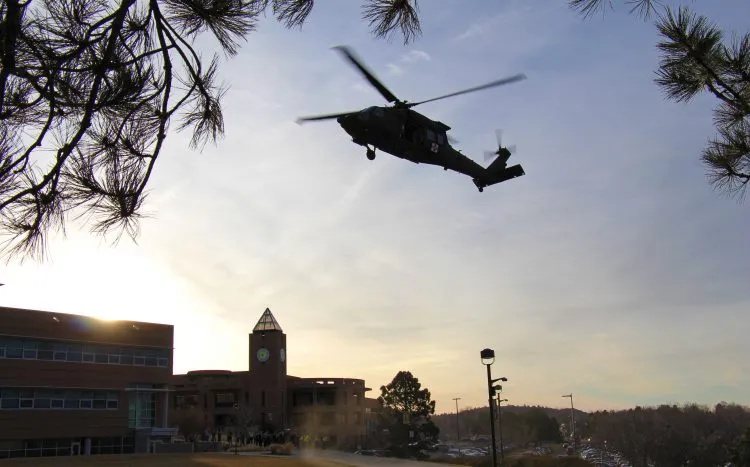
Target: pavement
x,y
365,461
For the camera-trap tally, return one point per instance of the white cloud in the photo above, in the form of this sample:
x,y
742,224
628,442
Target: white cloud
x,y
415,55
394,70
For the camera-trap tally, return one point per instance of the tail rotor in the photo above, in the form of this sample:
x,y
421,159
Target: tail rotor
x,y
501,151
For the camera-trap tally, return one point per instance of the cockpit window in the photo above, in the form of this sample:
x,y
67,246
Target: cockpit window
x,y
431,135
441,138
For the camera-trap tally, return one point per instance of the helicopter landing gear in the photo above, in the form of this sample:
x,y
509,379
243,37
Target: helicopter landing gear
x,y
371,154
478,185
481,189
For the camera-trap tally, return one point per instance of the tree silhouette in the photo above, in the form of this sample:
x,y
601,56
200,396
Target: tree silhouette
x,y
90,88
674,435
695,58
407,410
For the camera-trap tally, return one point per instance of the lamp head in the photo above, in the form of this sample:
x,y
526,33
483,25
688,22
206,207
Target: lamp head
x,y
488,356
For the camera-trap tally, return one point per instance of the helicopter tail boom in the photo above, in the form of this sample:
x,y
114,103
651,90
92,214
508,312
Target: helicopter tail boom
x,y
499,175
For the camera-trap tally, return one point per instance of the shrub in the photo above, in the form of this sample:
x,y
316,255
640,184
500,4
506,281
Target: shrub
x,y
285,449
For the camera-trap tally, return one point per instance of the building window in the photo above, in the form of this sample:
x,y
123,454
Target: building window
x,y
224,399
57,399
142,410
59,351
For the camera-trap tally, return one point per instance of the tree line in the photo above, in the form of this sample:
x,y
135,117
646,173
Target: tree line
x,y
521,425
672,435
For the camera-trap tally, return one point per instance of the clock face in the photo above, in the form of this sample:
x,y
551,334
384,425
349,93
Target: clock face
x,y
262,354
283,355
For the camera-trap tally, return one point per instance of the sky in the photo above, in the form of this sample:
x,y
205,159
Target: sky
x,y
612,270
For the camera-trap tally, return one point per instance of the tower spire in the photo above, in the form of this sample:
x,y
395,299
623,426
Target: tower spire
x,y
267,322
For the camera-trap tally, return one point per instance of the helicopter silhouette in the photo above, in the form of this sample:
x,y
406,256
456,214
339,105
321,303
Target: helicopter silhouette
x,y
405,133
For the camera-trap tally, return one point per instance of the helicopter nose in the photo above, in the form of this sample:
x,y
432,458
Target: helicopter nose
x,y
346,122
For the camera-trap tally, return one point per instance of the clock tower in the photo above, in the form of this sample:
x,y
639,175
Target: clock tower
x,y
267,364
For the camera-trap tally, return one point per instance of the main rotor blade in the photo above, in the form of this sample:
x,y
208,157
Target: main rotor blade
x,y
357,62
315,118
500,82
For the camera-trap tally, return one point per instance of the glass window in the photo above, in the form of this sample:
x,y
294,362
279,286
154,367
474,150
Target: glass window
x,y
14,349
49,350
8,403
42,403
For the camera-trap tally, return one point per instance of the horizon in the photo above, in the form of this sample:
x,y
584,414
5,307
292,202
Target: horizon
x,y
611,270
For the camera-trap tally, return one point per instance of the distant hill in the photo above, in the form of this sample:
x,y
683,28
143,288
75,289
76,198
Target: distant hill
x,y
474,420
560,414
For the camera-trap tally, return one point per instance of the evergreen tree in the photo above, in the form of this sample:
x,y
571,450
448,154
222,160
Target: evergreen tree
x,y
696,58
407,413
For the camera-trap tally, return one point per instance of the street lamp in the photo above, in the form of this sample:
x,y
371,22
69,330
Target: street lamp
x,y
458,432
572,420
488,358
500,426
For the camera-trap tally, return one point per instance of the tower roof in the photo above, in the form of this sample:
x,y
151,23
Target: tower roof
x,y
267,322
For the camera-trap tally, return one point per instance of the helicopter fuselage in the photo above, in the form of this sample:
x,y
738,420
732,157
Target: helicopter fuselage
x,y
409,135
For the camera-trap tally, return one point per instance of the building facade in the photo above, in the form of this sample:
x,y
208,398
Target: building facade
x,y
74,385
266,399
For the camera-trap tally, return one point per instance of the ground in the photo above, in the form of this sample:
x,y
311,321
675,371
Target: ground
x,y
353,460
169,460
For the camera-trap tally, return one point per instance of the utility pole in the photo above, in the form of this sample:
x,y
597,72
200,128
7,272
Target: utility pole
x,y
572,419
458,430
500,427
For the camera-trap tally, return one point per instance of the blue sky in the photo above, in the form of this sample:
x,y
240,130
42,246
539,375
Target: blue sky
x,y
611,270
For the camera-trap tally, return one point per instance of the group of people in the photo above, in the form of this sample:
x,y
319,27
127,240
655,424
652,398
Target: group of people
x,y
264,439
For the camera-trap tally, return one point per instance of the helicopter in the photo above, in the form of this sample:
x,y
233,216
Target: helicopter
x,y
405,133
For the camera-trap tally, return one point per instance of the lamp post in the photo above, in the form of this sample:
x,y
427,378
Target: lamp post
x,y
572,420
488,358
458,432
500,427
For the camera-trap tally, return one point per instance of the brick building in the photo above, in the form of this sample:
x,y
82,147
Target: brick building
x,y
73,385
266,398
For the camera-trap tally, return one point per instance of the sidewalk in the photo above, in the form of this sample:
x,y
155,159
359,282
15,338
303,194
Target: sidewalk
x,y
356,460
